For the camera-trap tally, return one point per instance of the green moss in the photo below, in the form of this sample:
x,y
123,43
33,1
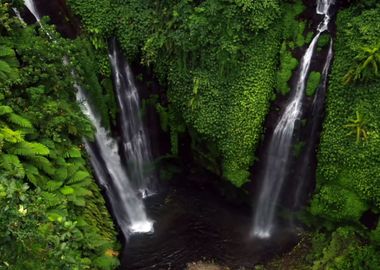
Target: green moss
x,y
313,83
324,40
287,67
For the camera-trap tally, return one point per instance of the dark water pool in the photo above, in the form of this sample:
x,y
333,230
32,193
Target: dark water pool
x,y
192,223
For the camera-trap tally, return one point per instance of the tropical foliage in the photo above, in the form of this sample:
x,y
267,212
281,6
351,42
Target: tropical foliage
x,y
52,213
348,175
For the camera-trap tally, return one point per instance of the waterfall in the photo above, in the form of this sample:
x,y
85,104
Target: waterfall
x,y
127,206
33,9
276,165
18,15
315,124
135,143
323,6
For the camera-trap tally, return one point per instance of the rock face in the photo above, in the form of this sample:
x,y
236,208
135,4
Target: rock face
x,y
60,15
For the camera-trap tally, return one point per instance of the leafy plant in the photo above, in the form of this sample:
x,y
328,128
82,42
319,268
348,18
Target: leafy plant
x,y
367,63
359,126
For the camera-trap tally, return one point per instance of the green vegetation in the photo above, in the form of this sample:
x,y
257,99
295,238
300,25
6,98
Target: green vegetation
x,y
219,63
217,60
348,162
313,83
52,213
287,67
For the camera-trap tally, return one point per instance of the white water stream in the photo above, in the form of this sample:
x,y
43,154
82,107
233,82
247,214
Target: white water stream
x,y
127,206
276,165
135,142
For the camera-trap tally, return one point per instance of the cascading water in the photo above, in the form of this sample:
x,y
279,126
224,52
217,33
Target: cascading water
x,y
276,165
18,15
315,124
135,143
128,208
33,9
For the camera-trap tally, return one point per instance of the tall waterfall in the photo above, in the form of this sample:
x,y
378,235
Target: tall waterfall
x,y
135,143
127,206
315,124
276,165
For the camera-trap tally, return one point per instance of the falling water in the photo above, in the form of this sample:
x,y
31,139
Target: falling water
x,y
315,123
18,15
135,143
281,141
128,208
33,9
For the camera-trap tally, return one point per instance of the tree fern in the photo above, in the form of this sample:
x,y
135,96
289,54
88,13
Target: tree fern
x,y
81,191
53,185
12,164
67,190
11,136
33,175
5,109
78,177
29,149
42,163
6,51
19,120
5,70
51,199
60,174
73,152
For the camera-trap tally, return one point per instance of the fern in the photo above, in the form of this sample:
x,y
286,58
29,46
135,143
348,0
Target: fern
x,y
61,174
29,149
5,70
53,185
78,177
12,164
73,152
43,164
80,191
67,190
5,110
11,136
19,120
33,175
6,51
51,199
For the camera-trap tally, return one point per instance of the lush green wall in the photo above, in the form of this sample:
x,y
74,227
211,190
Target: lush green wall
x,y
217,60
348,175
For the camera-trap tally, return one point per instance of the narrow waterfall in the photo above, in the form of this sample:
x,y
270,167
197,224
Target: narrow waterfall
x,y
135,142
127,206
276,165
315,124
18,15
33,9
